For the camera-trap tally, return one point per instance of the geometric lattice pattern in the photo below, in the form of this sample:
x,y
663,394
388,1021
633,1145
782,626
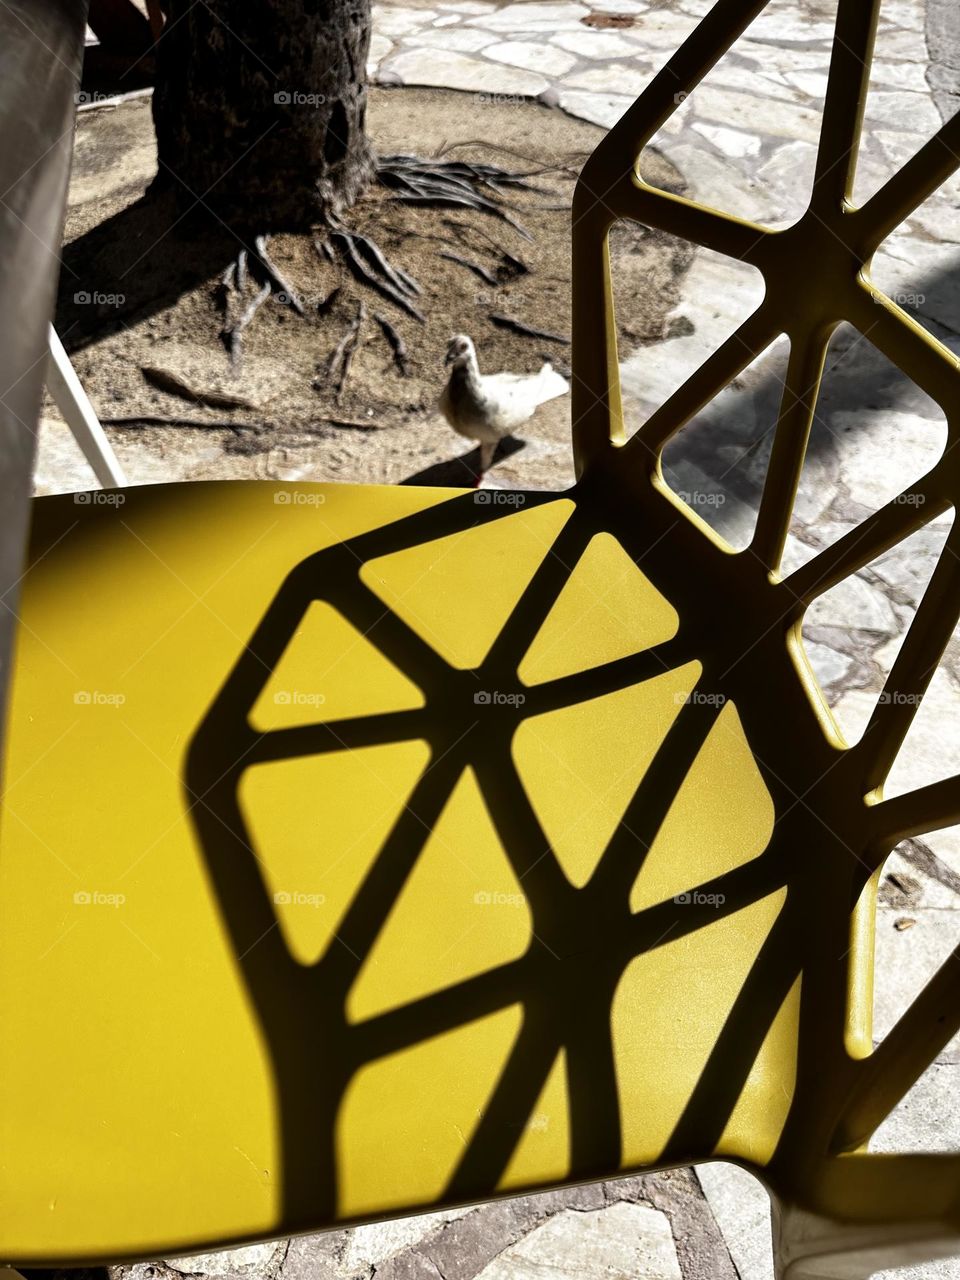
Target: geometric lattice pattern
x,y
816,275
687,970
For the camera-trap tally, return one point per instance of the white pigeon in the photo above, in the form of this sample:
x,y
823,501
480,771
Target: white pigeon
x,y
487,407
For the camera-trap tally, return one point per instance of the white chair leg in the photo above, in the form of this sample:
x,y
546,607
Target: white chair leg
x,y
71,399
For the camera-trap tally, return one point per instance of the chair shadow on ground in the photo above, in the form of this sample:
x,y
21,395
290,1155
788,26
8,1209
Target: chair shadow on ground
x,y
583,938
135,264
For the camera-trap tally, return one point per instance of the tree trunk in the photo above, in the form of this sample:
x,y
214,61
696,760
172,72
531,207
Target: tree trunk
x,y
259,108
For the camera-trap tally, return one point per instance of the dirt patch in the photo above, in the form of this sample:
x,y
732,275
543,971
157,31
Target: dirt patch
x,y
141,289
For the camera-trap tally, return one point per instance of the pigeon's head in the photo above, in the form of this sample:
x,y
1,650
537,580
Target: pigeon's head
x,y
460,350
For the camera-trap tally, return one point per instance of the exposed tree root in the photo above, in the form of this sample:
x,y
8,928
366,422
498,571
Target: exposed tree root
x,y
371,268
452,184
253,278
133,422
526,330
342,355
397,344
477,268
281,287
240,309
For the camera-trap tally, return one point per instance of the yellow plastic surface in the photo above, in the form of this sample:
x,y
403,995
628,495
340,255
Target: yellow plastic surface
x,y
313,909
370,850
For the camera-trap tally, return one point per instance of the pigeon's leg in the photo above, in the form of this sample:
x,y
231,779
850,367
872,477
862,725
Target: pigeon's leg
x,y
487,450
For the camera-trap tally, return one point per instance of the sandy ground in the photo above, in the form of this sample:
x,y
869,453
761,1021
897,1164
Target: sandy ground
x,y
141,291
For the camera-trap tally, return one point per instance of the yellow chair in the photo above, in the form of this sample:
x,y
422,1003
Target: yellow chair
x,y
369,850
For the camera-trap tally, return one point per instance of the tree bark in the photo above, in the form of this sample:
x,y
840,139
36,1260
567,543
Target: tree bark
x,y
260,108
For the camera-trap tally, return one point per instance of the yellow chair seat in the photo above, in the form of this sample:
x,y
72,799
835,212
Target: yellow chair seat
x,y
366,849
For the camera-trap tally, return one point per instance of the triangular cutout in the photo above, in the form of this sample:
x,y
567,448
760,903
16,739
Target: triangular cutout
x,y
581,765
329,671
457,592
660,355
916,930
900,112
874,433
931,749
853,632
316,824
916,265
717,462
917,923
721,818
543,1153
460,913
751,137
607,609
909,1127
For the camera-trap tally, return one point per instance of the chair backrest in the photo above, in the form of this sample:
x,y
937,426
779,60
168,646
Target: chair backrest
x,y
816,275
